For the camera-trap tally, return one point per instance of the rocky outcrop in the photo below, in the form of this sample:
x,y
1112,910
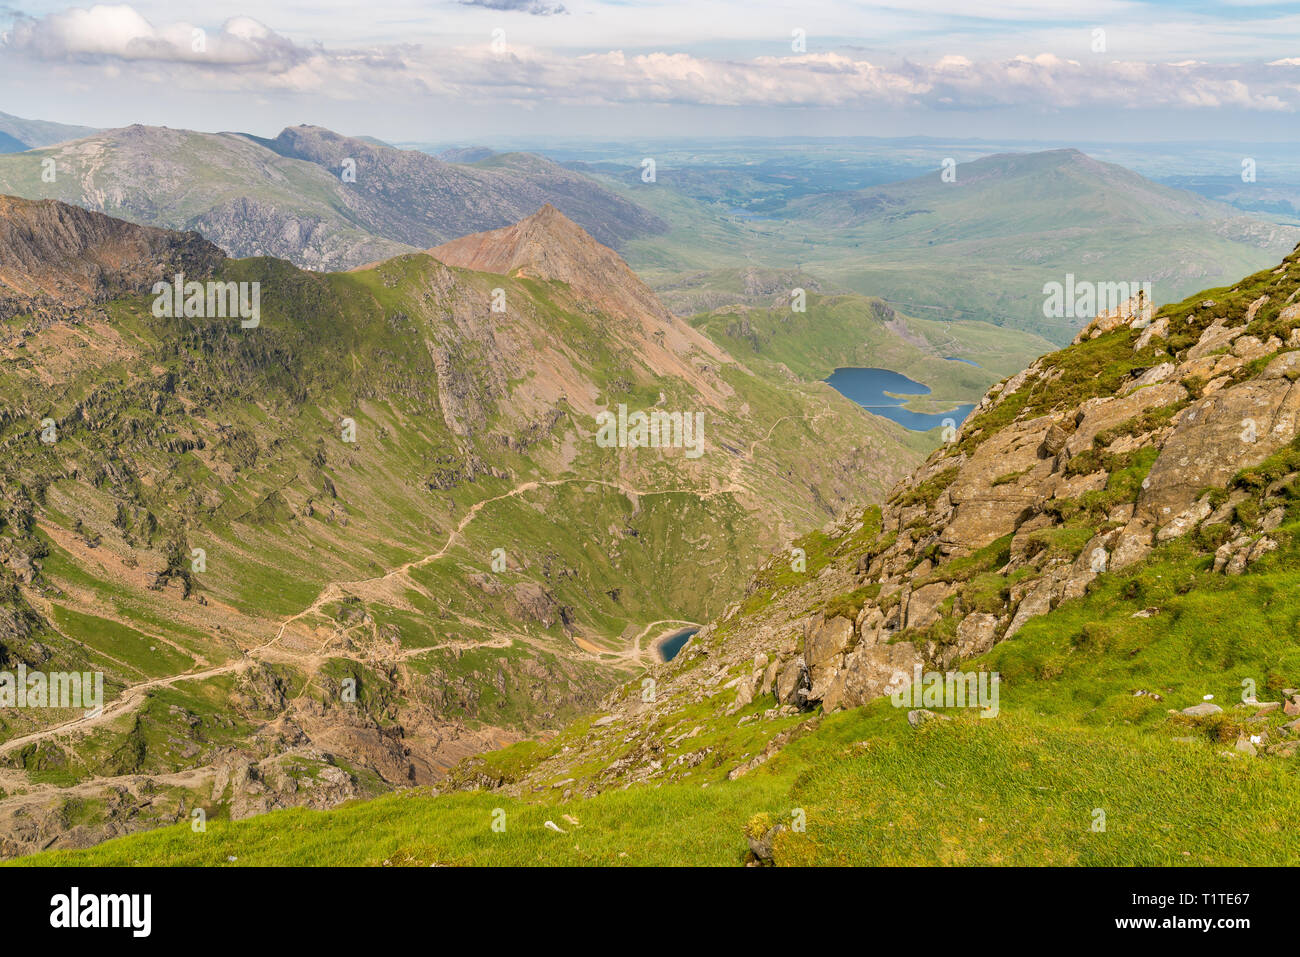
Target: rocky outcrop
x,y
256,227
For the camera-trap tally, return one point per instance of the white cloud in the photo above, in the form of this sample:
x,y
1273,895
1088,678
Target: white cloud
x,y
119,32
833,80
246,55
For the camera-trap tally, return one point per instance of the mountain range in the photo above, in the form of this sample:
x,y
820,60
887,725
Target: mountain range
x,y
318,199
979,241
356,470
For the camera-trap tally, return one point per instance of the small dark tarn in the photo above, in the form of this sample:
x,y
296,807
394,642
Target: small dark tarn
x,y
674,643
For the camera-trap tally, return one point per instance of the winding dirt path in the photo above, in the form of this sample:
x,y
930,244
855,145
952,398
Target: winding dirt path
x,y
132,695
335,590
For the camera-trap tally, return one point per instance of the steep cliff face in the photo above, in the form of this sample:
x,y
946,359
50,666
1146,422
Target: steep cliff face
x,y
1154,429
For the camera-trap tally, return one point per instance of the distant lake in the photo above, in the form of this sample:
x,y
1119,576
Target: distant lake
x,y
675,643
967,361
868,388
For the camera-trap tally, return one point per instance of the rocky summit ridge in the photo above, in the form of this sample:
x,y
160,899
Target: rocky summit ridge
x,y
549,245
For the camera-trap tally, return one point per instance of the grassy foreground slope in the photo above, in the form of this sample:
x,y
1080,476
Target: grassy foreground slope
x,y
1022,788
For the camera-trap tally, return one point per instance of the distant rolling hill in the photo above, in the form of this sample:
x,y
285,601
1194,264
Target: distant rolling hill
x,y
988,241
980,248
18,134
287,197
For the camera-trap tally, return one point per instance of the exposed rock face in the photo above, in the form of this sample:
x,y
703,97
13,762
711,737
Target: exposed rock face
x,y
1214,438
828,640
56,258
870,671
548,245
253,227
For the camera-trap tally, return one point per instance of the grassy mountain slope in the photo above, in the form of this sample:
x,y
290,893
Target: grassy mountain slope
x,y
853,330
472,561
1130,577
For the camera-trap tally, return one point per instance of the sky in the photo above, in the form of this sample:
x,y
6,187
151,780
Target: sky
x,y
465,71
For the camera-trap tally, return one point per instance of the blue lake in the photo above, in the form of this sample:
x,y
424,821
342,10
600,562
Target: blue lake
x,y
870,389
675,643
967,361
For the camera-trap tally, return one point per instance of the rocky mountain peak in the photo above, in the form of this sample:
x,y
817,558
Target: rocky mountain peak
x,y
549,245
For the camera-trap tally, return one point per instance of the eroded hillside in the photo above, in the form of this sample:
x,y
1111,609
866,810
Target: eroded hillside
x,y
331,549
